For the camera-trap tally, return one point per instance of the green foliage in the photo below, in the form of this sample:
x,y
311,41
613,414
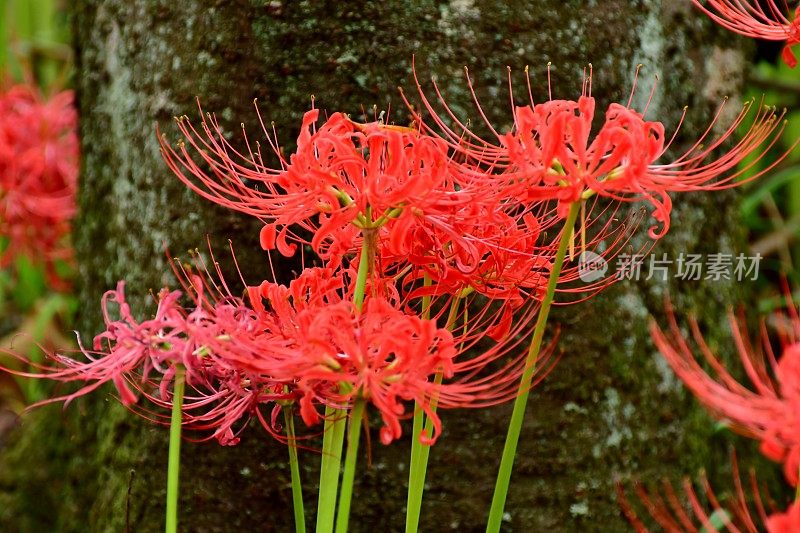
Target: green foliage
x,y
771,209
34,40
29,286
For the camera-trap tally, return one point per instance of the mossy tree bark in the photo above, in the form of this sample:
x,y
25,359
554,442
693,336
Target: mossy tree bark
x,y
610,409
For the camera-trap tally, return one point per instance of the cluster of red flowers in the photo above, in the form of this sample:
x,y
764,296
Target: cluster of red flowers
x,y
437,245
38,174
305,343
760,19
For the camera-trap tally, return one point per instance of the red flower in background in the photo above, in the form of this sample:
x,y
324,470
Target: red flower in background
x,y
38,174
739,512
770,410
761,19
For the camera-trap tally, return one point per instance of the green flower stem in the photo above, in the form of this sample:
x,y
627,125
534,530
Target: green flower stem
x,y
332,443
518,414
173,468
294,466
346,494
418,467
415,472
343,515
414,499
420,452
367,254
336,419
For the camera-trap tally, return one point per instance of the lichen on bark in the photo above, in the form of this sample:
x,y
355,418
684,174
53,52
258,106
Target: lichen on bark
x,y
610,409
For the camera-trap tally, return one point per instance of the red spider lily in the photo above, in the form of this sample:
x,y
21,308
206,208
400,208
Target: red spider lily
x,y
385,355
382,354
38,174
769,411
343,177
706,512
140,358
761,19
497,256
503,256
551,152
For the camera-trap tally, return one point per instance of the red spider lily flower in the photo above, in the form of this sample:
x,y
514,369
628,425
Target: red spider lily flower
x,y
507,257
768,411
140,358
144,346
38,174
498,256
344,177
764,19
551,152
705,511
384,354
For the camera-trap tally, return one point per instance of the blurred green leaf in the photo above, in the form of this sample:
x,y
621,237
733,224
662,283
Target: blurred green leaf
x,y
29,285
769,185
4,38
34,39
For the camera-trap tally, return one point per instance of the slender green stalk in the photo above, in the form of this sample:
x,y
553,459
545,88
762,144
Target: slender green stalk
x,y
335,419
518,414
416,476
367,253
173,469
418,466
346,494
332,442
294,466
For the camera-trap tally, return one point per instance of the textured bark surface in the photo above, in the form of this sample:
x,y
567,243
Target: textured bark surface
x,y
610,409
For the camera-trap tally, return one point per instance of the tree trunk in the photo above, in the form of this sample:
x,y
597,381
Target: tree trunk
x,y
609,410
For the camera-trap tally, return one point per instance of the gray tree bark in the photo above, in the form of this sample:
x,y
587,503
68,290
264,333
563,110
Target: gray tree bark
x,y
609,410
